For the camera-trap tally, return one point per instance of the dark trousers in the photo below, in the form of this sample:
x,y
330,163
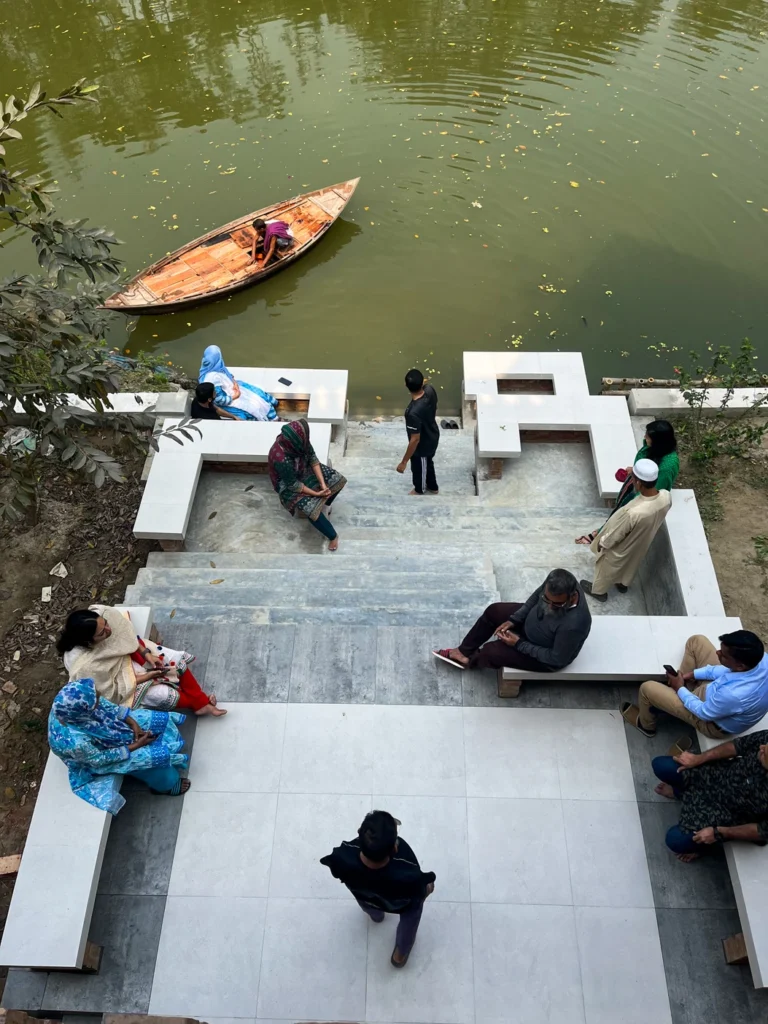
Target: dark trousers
x,y
677,839
423,473
496,654
407,926
323,523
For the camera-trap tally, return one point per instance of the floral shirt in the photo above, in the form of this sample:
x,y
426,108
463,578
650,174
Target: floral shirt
x,y
732,792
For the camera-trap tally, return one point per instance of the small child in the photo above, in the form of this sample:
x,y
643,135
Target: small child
x,y
203,407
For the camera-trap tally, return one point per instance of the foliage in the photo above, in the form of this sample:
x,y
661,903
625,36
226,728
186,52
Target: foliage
x,y
731,431
51,326
183,427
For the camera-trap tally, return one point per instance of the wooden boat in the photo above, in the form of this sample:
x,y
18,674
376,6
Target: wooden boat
x,y
220,263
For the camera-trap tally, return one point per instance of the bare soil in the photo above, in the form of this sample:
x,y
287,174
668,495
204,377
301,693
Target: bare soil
x,y
89,531
733,498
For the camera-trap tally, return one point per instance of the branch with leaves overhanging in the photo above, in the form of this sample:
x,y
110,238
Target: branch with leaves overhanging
x,y
183,427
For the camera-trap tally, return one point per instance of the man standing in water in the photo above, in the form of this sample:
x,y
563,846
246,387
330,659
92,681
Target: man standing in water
x,y
423,433
382,873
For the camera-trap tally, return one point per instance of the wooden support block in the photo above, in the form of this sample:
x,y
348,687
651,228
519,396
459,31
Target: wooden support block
x,y
735,949
172,545
508,687
495,469
92,958
10,865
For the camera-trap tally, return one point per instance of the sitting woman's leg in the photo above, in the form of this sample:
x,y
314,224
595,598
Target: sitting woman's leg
x,y
193,698
163,780
324,525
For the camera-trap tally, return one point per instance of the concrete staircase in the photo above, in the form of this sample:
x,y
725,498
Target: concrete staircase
x,y
411,572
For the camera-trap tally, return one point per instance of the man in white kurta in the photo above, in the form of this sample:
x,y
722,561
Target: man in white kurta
x,y
624,540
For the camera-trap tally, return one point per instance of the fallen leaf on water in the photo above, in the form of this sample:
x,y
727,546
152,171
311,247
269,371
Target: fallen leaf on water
x,y
609,293
474,93
325,161
545,230
478,205
378,398
442,133
713,174
723,76
574,184
415,236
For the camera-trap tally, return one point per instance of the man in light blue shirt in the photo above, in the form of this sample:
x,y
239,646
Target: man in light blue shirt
x,y
732,694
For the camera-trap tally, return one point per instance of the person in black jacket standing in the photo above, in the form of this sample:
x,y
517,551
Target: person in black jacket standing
x,y
382,873
423,433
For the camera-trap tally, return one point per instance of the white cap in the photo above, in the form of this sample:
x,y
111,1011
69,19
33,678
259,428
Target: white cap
x,y
646,470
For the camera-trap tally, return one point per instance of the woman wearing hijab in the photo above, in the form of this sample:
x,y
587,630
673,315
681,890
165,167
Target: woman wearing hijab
x,y
302,482
98,740
100,643
660,446
244,401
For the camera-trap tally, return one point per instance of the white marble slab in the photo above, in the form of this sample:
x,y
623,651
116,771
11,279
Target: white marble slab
x,y
326,390
515,868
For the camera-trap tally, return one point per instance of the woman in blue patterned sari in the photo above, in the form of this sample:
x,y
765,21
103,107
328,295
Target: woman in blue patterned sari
x,y
98,740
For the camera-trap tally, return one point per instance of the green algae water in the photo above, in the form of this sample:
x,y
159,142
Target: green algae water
x,y
574,175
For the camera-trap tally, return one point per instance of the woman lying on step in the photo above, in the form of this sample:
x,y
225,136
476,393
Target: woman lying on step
x,y
100,643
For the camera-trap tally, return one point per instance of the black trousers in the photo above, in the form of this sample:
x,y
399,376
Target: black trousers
x,y
423,473
496,654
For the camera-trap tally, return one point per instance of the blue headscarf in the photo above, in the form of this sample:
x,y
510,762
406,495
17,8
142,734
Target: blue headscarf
x,y
91,737
213,362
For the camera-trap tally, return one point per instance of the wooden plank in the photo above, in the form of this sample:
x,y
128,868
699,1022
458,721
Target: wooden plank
x,y
735,949
203,263
10,865
495,469
508,687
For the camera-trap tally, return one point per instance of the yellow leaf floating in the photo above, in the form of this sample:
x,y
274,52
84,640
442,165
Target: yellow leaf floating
x,y
545,230
574,184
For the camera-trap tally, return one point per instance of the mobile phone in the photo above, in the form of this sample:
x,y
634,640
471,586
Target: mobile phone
x,y
282,380
670,671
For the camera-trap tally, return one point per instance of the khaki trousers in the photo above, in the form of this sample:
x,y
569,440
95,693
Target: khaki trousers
x,y
699,652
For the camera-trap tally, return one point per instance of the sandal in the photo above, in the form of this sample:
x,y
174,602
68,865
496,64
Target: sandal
x,y
631,714
444,654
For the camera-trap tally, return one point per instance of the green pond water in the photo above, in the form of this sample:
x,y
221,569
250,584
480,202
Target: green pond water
x,y
611,152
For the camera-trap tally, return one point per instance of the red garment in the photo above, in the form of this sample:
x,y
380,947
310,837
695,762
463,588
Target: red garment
x,y
191,695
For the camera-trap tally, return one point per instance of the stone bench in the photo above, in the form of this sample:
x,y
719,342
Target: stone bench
x,y
50,911
625,648
169,492
658,403
325,390
570,407
748,865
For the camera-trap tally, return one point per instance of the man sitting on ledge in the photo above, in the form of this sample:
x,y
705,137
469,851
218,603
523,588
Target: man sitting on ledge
x,y
543,635
724,794
732,694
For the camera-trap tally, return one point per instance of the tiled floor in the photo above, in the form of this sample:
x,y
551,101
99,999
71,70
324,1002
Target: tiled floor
x,y
542,913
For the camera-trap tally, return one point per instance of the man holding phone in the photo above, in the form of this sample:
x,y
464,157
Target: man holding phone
x,y
718,692
543,635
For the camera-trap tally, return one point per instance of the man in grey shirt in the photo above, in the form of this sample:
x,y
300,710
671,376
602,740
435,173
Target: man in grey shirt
x,y
543,635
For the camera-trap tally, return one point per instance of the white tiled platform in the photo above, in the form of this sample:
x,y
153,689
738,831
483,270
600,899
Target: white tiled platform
x,y
542,911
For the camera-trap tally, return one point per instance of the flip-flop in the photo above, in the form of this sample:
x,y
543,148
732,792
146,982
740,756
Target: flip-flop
x,y
445,655
631,714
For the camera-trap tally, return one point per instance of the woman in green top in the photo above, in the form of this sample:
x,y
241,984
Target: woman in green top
x,y
660,446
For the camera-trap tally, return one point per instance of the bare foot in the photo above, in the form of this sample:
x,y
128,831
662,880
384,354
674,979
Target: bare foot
x,y
211,709
664,789
185,784
687,858
333,545
416,492
212,699
456,655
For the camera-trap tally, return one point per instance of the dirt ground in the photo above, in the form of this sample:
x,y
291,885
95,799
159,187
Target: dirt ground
x,y
89,531
737,530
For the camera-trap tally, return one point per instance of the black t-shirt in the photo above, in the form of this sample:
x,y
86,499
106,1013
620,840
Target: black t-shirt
x,y
420,419
202,412
393,888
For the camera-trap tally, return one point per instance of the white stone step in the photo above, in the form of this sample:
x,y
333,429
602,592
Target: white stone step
x,y
279,580
455,619
357,555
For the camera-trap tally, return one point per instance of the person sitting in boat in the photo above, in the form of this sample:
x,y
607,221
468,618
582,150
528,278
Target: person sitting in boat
x,y
272,238
244,401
